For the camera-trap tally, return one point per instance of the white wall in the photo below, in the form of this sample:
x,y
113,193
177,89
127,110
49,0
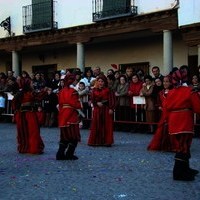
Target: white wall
x,y
13,9
70,12
78,12
188,12
148,6
73,12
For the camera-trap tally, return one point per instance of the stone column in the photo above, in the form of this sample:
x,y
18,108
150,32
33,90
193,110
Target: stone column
x,y
198,54
80,56
167,52
15,63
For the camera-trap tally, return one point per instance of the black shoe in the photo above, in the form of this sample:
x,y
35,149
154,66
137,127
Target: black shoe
x,y
70,152
60,155
193,171
183,177
71,158
181,171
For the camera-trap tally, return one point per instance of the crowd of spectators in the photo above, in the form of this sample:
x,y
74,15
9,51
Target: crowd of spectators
x,y
125,86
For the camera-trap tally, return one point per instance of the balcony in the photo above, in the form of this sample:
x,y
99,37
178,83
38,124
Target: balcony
x,y
39,17
109,9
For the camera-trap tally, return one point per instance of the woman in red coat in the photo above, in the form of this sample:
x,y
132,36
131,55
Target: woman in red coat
x,y
103,100
181,104
134,89
28,129
68,120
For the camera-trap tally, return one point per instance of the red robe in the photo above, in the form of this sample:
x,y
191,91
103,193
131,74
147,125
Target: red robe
x,y
28,129
40,117
68,118
181,104
161,139
101,132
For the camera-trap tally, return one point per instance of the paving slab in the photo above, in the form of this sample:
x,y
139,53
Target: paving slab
x,y
125,171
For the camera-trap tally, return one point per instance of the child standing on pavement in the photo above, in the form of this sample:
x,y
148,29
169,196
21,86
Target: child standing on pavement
x,y
83,92
50,102
68,120
181,104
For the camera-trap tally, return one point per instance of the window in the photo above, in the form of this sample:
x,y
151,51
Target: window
x,y
39,16
106,9
136,66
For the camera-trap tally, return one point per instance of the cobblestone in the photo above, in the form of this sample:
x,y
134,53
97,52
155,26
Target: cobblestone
x,y
126,171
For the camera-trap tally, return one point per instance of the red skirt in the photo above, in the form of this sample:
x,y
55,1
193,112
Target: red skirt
x,y
101,132
28,133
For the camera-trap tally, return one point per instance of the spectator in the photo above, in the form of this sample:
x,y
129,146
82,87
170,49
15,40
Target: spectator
x,y
39,87
156,90
147,92
3,79
50,108
112,82
156,73
38,83
173,70
61,85
134,89
110,71
83,92
97,71
195,83
2,103
123,103
62,74
186,69
10,75
78,76
117,75
11,86
88,78
54,84
129,74
141,74
23,79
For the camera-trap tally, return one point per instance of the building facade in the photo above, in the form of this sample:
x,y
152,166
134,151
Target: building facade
x,y
137,33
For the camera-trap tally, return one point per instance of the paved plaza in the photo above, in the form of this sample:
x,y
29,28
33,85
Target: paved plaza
x,y
126,171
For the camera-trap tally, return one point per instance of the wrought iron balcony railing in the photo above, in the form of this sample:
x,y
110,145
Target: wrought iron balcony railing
x,y
108,9
39,17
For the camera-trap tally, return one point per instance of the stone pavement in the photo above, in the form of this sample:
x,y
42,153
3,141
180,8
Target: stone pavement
x,y
126,171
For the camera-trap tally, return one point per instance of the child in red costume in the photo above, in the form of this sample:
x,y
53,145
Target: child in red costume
x,y
181,104
68,120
